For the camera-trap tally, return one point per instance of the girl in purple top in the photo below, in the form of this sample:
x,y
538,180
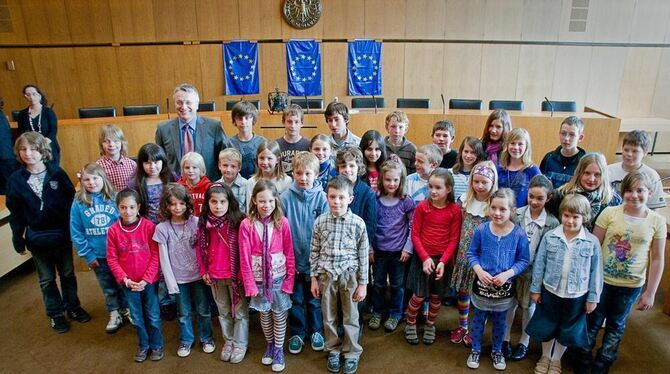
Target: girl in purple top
x,y
393,245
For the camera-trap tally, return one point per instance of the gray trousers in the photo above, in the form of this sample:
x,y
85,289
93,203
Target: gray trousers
x,y
340,288
235,330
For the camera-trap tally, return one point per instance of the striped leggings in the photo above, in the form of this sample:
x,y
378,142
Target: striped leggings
x,y
274,327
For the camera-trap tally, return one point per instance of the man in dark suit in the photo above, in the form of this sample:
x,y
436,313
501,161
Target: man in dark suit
x,y
191,133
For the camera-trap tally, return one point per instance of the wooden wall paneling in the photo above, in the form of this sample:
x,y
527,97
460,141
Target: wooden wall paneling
x,y
499,72
18,34
89,21
46,22
393,71
133,20
179,64
211,67
565,34
334,64
462,71
611,20
343,19
272,66
175,20
385,19
536,74
604,80
13,81
424,63
650,21
571,74
639,80
261,19
464,19
98,73
541,20
55,69
425,19
503,19
217,19
139,77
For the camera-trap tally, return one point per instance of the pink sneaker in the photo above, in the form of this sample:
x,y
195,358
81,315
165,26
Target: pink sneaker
x,y
457,335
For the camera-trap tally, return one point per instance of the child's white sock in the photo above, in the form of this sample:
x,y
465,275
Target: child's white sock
x,y
525,318
559,349
546,348
509,320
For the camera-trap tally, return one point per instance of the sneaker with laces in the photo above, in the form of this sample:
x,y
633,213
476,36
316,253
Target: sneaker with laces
x,y
473,360
59,324
238,354
79,315
267,356
208,346
333,364
467,340
156,354
278,363
391,324
456,336
375,322
125,313
498,360
318,343
115,322
141,354
227,351
184,350
350,365
295,344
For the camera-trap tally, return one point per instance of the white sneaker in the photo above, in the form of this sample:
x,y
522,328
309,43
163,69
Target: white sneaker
x,y
208,347
227,351
115,322
473,360
238,355
184,350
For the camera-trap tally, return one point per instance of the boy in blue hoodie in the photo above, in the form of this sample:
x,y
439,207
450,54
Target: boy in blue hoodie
x,y
302,203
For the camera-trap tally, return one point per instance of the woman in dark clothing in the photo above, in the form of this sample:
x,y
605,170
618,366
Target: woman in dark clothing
x,y
7,159
40,118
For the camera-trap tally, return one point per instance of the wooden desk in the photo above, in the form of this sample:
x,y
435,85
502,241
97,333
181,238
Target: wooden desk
x,y
649,124
78,138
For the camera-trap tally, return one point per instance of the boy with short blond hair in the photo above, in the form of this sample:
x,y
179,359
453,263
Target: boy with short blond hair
x,y
443,136
559,165
302,203
292,142
397,125
428,158
244,115
635,146
230,162
339,266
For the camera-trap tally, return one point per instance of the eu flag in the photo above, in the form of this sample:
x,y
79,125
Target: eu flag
x,y
241,66
365,68
303,64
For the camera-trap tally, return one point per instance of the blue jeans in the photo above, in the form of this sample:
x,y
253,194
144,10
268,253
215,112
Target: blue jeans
x,y
479,319
305,313
387,264
115,298
615,306
163,296
191,295
48,262
146,315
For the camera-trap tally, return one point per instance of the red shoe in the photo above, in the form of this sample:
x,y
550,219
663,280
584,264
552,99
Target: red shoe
x,y
457,335
467,340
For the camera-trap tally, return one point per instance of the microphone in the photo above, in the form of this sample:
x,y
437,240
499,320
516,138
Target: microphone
x,y
374,101
307,104
551,106
444,106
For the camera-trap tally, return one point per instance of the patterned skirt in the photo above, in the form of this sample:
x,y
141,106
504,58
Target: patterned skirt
x,y
281,301
423,285
463,275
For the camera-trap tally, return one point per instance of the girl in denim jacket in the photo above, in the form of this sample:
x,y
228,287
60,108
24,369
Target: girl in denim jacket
x,y
567,281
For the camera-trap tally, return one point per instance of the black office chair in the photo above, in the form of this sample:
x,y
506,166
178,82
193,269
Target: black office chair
x,y
367,102
140,110
97,112
15,115
309,103
207,106
230,104
465,104
506,104
559,106
402,102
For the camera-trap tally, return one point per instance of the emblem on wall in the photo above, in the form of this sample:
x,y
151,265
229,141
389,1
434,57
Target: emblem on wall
x,y
302,14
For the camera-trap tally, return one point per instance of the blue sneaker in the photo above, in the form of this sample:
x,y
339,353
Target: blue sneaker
x,y
318,343
295,344
350,365
269,353
278,363
333,364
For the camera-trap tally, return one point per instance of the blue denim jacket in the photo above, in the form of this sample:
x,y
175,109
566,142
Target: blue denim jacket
x,y
586,272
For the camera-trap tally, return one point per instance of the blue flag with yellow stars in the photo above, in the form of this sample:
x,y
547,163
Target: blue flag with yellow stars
x,y
241,67
303,65
365,68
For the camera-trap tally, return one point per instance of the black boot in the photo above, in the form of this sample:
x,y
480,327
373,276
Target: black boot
x,y
600,367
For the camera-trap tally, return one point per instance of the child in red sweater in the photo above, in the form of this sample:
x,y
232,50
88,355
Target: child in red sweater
x,y
132,256
194,179
436,228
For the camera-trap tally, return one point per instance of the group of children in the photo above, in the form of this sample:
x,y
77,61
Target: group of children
x,y
293,226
